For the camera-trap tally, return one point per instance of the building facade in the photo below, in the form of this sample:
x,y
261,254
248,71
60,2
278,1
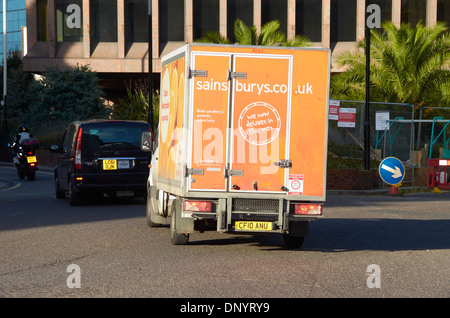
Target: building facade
x,y
112,35
15,25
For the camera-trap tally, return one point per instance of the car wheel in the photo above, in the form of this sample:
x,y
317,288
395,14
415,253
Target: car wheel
x,y
74,195
59,193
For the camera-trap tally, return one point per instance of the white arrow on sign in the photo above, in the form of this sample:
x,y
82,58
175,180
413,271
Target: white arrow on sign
x,y
396,172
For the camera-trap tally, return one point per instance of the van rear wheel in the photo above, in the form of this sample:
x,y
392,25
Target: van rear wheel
x,y
176,237
293,241
153,219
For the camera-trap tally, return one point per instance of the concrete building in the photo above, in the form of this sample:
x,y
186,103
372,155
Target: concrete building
x,y
112,35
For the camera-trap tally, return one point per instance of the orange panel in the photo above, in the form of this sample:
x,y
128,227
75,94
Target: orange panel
x,y
171,120
260,108
210,121
309,119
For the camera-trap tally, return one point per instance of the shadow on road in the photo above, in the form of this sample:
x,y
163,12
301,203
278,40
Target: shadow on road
x,y
343,235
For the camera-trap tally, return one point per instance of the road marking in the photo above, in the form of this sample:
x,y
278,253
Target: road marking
x,y
12,188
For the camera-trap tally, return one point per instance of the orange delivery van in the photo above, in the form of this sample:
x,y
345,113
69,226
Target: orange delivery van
x,y
241,144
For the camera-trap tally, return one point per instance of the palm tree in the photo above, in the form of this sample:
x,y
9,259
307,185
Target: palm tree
x,y
408,65
270,35
213,37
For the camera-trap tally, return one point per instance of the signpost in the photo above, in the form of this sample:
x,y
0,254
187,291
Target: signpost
x,y
392,172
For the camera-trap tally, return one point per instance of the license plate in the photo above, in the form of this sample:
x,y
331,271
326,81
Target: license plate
x,y
31,159
123,164
109,164
252,226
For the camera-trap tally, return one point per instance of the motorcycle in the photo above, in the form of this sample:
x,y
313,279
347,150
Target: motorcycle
x,y
25,158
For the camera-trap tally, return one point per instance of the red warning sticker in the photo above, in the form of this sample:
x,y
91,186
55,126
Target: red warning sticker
x,y
296,184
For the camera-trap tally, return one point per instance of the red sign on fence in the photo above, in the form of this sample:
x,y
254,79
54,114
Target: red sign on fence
x,y
347,117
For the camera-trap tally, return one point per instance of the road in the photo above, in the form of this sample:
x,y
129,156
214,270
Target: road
x,y
364,247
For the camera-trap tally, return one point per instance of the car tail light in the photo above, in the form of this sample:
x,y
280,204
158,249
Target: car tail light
x,y
78,150
151,133
197,206
308,209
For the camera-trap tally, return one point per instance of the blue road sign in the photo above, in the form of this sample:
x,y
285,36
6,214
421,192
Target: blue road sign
x,y
391,170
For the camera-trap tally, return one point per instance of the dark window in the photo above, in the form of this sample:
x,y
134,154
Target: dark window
x,y
136,21
103,21
107,138
206,17
414,11
386,9
274,10
69,21
343,20
69,138
171,20
238,9
308,19
42,20
443,11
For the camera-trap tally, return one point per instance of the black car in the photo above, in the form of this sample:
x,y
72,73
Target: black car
x,y
103,156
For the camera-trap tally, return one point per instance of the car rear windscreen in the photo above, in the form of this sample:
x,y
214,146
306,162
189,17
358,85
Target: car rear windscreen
x,y
105,139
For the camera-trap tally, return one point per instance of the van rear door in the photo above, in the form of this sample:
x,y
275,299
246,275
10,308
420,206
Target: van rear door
x,y
239,108
260,106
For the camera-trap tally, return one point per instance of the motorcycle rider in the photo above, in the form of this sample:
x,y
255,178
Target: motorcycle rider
x,y
21,136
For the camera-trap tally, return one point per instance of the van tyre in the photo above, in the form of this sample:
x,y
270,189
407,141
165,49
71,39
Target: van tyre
x,y
291,241
177,238
153,219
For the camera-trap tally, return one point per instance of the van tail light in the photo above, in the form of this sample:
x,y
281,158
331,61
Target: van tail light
x,y
308,209
197,206
78,150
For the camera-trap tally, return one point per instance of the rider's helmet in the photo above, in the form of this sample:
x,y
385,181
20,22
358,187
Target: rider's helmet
x,y
23,128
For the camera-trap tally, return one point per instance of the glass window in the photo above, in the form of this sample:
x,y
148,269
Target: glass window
x,y
206,17
443,11
386,9
343,21
274,10
308,22
136,21
171,20
69,21
42,20
103,21
414,11
238,9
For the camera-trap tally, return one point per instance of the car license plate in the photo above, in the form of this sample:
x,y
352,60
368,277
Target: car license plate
x,y
252,226
31,159
123,164
109,164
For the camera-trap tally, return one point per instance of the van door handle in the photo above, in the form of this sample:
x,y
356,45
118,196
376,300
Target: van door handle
x,y
283,163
